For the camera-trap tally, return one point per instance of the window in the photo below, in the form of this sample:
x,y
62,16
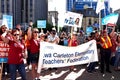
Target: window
x,y
90,12
31,15
8,6
89,21
2,9
31,10
31,3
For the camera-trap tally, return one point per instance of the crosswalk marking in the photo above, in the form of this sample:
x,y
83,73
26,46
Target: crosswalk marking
x,y
71,76
49,77
74,75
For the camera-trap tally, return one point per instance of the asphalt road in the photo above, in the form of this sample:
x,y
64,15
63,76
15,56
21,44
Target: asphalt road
x,y
80,73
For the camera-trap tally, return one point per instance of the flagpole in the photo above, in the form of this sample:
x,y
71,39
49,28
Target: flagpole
x,y
100,21
91,3
99,7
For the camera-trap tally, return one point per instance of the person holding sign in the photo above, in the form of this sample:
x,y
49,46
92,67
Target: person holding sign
x,y
106,45
17,53
73,41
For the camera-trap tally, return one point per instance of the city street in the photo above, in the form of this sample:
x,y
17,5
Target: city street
x,y
60,33
79,74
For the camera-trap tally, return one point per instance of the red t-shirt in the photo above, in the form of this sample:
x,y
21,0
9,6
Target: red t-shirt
x,y
74,43
15,55
114,45
34,46
0,37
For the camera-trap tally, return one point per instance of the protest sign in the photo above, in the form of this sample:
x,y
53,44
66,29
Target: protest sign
x,y
4,48
73,19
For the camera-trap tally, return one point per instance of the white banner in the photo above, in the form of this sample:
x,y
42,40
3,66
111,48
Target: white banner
x,y
73,19
53,55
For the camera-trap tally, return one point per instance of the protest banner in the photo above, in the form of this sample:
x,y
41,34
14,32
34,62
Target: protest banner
x,y
53,55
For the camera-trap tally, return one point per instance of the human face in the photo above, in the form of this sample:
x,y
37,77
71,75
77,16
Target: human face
x,y
74,36
16,35
96,35
3,29
53,33
77,21
42,37
35,33
105,34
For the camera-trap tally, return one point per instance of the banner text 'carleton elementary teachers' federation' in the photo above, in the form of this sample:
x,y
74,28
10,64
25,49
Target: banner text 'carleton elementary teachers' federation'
x,y
53,55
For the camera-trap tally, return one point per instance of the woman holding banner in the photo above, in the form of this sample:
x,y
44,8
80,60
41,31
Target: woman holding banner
x,y
17,53
72,43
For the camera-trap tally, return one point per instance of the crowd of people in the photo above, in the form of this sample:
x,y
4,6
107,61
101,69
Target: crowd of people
x,y
26,45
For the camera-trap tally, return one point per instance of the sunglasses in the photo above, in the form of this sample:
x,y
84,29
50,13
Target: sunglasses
x,y
15,34
4,28
35,32
18,29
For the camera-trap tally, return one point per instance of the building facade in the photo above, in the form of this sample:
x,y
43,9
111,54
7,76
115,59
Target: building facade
x,y
118,22
24,10
88,9
11,7
89,19
73,5
51,15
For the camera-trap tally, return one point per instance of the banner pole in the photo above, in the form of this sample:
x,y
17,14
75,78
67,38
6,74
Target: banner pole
x,y
100,26
72,28
1,70
41,30
58,29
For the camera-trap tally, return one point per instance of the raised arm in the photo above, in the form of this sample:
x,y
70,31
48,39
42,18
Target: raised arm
x,y
3,37
112,33
29,33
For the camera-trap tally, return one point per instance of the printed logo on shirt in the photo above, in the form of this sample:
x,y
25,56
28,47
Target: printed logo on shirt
x,y
15,44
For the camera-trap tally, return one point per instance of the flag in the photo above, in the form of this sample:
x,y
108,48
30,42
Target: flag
x,y
109,6
53,21
100,6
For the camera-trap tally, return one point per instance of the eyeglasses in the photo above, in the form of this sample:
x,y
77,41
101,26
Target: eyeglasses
x,y
35,32
15,34
74,34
